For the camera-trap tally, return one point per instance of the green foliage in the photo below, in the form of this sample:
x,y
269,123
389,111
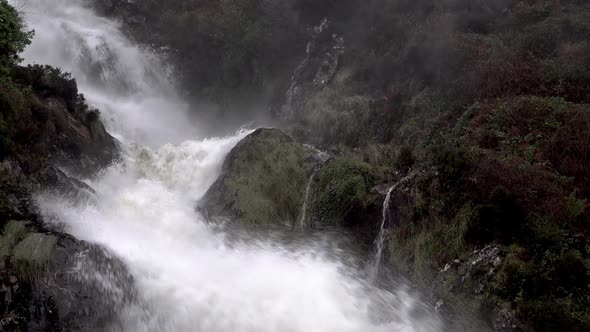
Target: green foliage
x,y
550,288
13,116
343,185
13,37
453,165
575,206
48,81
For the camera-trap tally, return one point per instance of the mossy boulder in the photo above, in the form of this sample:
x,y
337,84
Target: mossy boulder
x,y
263,180
14,231
32,254
53,282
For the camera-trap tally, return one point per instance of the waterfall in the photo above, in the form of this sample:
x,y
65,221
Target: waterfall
x,y
375,268
303,220
188,276
130,85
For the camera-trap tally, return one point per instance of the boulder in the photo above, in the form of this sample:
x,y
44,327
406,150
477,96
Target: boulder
x,y
263,180
51,281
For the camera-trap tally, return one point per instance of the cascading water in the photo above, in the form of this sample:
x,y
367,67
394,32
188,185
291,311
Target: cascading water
x,y
130,85
380,242
187,276
303,220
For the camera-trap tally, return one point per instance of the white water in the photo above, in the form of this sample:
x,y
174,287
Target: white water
x,y
128,84
187,276
380,241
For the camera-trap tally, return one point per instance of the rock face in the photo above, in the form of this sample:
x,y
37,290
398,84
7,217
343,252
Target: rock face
x,y
51,282
81,143
263,180
321,63
65,132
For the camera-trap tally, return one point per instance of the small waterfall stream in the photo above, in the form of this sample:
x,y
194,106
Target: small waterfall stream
x,y
375,268
303,220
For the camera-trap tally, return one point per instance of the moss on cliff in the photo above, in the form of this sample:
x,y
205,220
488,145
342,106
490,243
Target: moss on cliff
x,y
13,232
32,254
28,252
342,185
263,179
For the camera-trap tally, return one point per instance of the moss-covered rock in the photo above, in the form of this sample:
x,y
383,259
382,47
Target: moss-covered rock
x,y
53,282
263,180
32,254
14,231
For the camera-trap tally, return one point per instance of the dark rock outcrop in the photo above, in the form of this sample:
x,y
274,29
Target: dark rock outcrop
x,y
51,281
315,72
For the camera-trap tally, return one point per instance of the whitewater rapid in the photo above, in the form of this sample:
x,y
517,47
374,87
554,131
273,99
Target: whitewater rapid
x,y
187,274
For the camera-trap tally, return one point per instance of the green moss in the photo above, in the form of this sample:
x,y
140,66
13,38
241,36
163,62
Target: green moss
x,y
31,255
342,184
453,234
14,231
264,179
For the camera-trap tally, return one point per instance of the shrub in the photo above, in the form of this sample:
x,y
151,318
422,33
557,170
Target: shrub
x,y
453,165
13,37
569,148
343,184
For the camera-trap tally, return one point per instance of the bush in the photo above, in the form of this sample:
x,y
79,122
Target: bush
x,y
47,81
569,148
13,37
343,184
453,165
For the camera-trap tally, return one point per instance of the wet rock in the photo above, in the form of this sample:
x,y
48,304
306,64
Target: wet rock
x,y
81,144
466,285
54,282
322,61
263,180
507,322
66,186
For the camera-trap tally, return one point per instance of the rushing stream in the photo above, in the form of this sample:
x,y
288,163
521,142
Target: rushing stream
x,y
186,274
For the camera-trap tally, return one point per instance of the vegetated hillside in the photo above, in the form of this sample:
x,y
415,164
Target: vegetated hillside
x,y
45,125
482,108
486,107
483,104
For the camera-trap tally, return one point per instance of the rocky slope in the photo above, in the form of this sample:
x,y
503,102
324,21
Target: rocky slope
x,y
491,213
45,129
